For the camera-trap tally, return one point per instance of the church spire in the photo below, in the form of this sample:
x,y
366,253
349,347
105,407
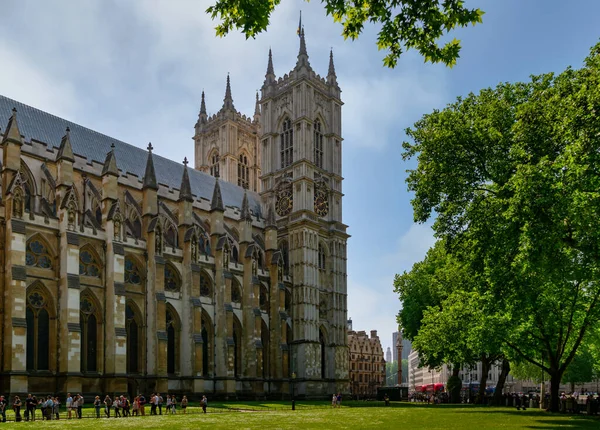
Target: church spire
x,y
203,105
302,53
257,109
185,189
150,175
12,133
245,214
228,99
331,71
270,70
216,204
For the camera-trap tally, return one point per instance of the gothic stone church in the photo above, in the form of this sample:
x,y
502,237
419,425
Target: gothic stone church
x,y
124,271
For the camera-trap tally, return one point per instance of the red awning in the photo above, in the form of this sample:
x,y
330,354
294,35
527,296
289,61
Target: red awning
x,y
438,387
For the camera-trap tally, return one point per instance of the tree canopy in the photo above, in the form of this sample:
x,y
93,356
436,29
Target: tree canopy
x,y
512,175
405,24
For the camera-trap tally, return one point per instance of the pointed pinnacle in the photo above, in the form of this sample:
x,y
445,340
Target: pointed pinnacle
x,y
110,163
202,105
270,221
270,70
185,189
302,44
149,180
65,150
216,203
12,133
228,99
331,72
245,215
257,106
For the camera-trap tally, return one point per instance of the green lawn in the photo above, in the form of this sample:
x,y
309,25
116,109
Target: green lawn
x,y
353,415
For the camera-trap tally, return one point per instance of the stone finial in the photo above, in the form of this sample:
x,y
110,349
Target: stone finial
x,y
150,175
110,163
202,105
331,71
185,190
245,214
216,203
270,70
12,133
302,53
65,150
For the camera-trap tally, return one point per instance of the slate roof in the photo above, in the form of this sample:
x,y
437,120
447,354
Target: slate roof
x,y
41,126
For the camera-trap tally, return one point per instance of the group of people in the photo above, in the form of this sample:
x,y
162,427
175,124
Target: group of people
x,y
49,407
121,405
336,400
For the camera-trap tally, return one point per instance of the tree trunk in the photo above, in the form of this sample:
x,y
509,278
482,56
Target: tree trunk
x,y
454,384
498,399
555,377
485,369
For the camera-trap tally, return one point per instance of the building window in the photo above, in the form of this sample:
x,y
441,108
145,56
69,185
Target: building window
x,y
132,272
323,354
206,343
243,171
89,335
133,335
236,293
172,279
237,347
38,332
322,260
318,144
172,342
264,299
287,144
171,236
88,265
214,165
37,255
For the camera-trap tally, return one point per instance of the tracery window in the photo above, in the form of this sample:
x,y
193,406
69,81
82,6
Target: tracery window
x,y
37,255
214,165
205,285
236,293
206,343
172,341
321,257
287,144
132,272
285,253
89,335
243,172
38,331
88,265
264,299
171,237
318,144
172,279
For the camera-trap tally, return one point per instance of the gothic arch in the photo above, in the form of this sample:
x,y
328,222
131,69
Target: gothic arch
x,y
236,291
29,185
134,326
134,270
173,328
39,253
213,161
170,234
206,285
172,278
244,162
323,255
40,315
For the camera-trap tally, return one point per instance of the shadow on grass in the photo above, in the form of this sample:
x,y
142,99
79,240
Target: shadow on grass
x,y
576,424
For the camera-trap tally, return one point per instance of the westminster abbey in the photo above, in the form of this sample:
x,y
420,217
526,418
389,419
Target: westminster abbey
x,y
124,271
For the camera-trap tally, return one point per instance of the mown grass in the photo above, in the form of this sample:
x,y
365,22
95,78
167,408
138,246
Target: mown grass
x,y
312,415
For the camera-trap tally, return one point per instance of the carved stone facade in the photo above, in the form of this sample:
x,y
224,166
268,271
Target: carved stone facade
x,y
367,366
125,276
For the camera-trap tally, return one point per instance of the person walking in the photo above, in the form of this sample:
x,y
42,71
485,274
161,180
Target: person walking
x,y
97,405
3,404
79,405
17,408
173,404
204,403
142,401
159,403
56,408
107,405
69,403
169,404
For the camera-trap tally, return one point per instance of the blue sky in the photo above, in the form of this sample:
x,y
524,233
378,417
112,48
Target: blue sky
x,y
135,70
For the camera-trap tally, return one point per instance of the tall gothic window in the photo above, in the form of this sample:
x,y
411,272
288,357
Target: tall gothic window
x,y
243,172
264,299
264,335
171,236
285,253
38,331
214,165
321,257
323,353
172,342
88,265
133,336
287,144
172,279
237,347
236,292
206,339
318,144
37,255
89,335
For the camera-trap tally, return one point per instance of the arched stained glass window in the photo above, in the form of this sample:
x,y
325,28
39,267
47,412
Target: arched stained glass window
x,y
287,144
132,328
172,279
132,272
89,335
243,171
322,260
38,332
37,255
214,165
88,265
172,341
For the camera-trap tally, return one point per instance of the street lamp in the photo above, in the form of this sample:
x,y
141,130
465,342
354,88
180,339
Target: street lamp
x,y
293,399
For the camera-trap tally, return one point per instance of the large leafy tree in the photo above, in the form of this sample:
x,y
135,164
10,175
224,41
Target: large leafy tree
x,y
405,24
514,171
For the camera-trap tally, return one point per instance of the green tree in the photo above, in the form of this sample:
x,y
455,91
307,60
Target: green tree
x,y
513,172
405,24
581,369
391,373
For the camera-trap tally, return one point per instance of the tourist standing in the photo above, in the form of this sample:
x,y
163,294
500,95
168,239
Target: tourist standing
x,y
159,402
184,403
17,408
107,405
69,403
142,401
3,404
79,405
204,403
56,407
169,404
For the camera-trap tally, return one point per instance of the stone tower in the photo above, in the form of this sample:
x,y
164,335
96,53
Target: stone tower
x,y
300,121
399,351
226,144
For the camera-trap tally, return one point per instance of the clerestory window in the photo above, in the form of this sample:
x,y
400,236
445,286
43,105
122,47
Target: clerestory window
x,y
287,144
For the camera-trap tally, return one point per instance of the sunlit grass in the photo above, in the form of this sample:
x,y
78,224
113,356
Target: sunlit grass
x,y
352,415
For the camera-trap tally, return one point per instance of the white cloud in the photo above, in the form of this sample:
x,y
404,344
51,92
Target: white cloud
x,y
411,247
